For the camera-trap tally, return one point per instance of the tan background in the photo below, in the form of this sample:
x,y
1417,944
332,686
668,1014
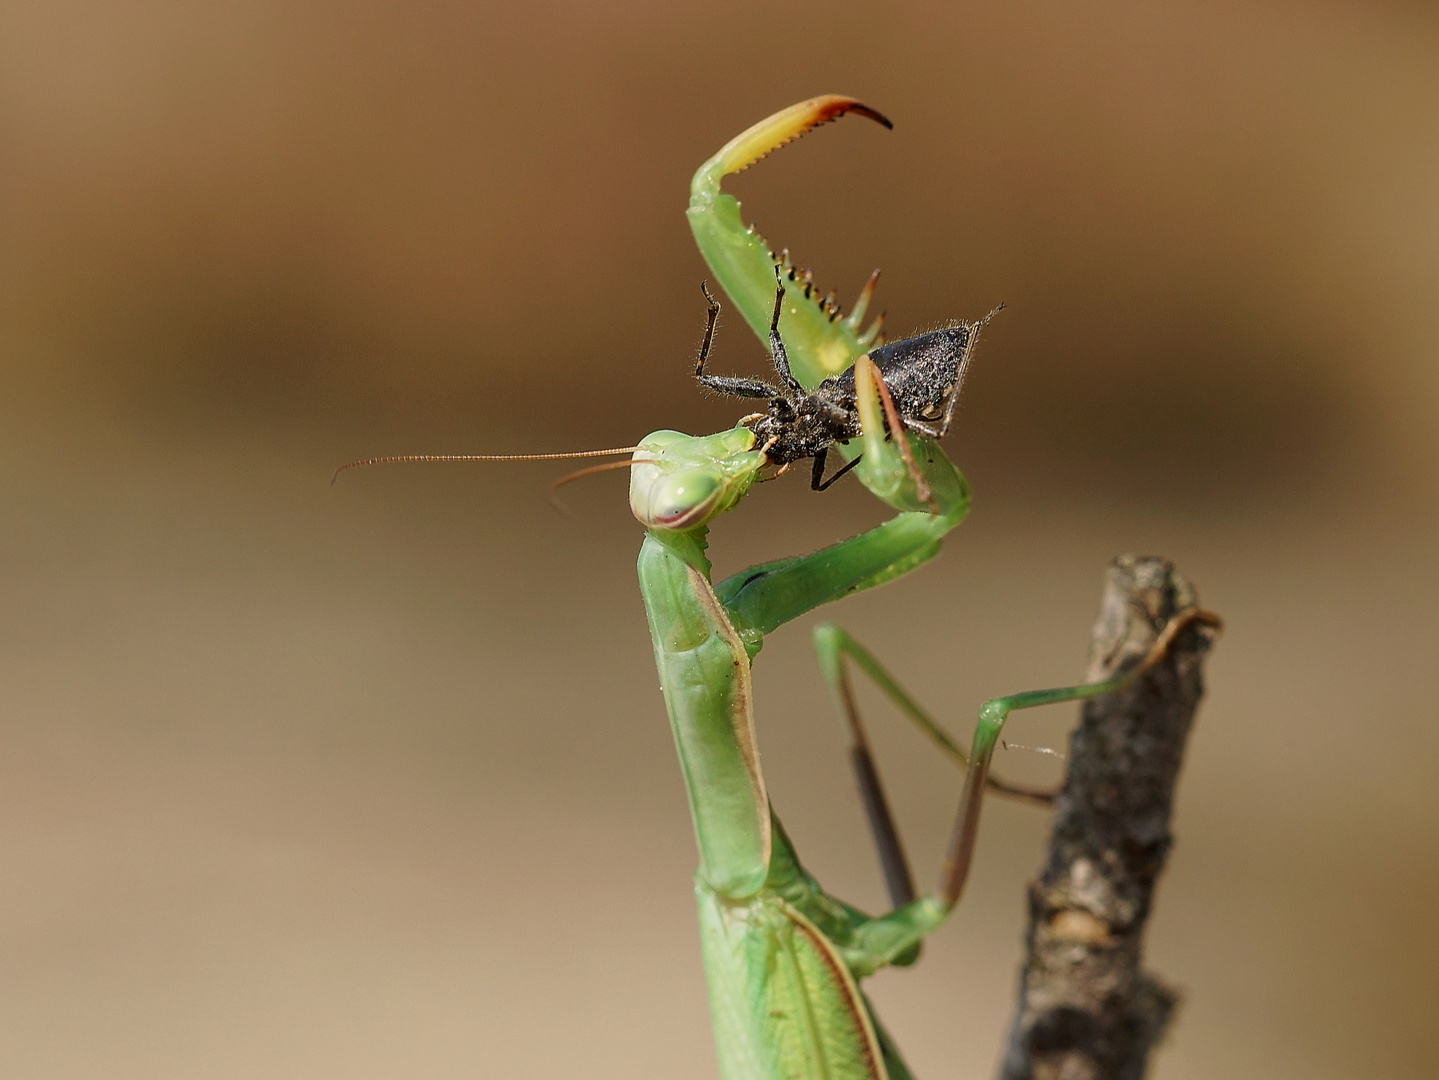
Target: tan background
x,y
375,781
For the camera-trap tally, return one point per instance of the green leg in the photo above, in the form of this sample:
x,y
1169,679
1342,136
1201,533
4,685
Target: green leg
x,y
819,342
992,715
765,597
833,646
882,940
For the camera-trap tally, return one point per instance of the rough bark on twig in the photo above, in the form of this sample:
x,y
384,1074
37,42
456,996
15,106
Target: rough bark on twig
x,y
1087,1011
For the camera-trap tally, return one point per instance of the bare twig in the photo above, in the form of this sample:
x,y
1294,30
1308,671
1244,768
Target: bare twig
x,y
1087,1011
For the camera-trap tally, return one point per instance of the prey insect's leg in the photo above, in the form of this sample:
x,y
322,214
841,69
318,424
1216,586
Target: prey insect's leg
x,y
730,385
816,476
776,344
735,386
816,471
929,431
711,318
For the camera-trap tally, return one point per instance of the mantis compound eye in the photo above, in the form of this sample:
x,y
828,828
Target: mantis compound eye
x,y
673,500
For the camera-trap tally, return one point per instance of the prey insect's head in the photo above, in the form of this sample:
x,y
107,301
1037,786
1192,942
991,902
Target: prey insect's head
x,y
681,482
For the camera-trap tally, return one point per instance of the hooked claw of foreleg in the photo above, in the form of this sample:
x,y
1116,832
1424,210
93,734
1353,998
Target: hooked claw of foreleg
x,y
784,127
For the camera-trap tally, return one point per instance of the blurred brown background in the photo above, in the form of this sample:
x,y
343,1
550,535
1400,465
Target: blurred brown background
x,y
375,780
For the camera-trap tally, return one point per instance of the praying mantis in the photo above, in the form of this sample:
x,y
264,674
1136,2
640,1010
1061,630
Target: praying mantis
x,y
783,958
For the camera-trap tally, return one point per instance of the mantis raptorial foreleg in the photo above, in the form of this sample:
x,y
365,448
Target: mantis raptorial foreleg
x,y
819,342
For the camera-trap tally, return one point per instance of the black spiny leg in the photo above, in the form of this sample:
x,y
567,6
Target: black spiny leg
x,y
713,317
776,345
731,385
816,481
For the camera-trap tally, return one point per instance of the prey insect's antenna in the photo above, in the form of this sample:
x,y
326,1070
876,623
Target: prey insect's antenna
x,y
480,457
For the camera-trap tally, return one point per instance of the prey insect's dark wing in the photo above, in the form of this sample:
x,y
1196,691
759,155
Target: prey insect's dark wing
x,y
925,374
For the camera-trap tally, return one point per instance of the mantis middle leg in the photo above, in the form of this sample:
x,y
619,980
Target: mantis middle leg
x,y
833,647
881,940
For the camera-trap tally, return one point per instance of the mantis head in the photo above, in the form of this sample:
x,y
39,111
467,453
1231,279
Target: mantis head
x,y
682,482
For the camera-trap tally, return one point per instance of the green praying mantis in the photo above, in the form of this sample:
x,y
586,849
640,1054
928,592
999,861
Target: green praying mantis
x,y
783,958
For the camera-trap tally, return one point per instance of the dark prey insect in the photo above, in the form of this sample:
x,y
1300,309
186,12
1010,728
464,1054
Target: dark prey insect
x,y
919,382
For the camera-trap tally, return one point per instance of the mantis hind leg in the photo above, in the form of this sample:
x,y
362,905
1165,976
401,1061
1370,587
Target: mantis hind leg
x,y
831,643
992,715
835,648
896,936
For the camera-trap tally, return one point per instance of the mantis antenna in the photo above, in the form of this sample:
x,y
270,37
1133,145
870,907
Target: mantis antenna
x,y
608,466
479,457
590,471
